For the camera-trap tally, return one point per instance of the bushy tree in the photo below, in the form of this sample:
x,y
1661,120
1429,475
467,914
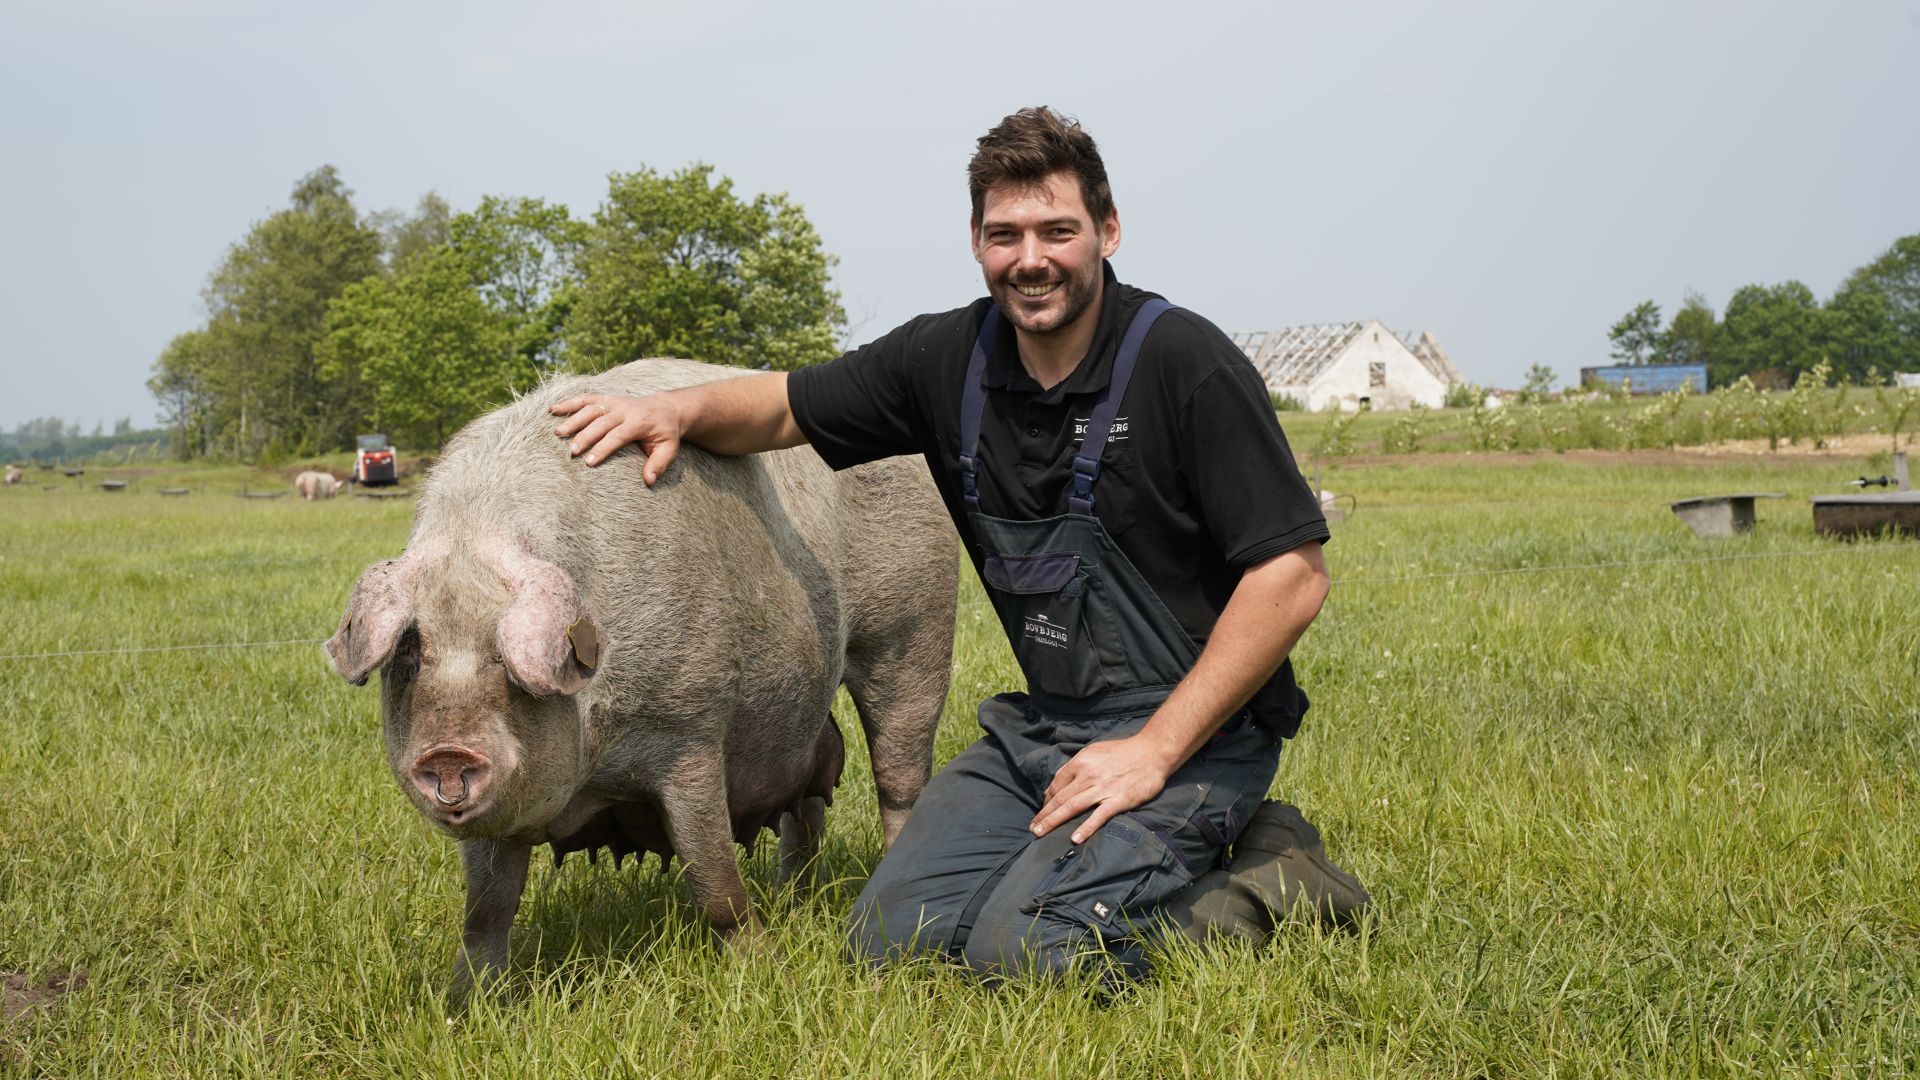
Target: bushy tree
x,y
1873,319
430,351
267,305
183,384
1895,276
1776,330
409,237
1637,334
680,266
1692,335
522,256
461,326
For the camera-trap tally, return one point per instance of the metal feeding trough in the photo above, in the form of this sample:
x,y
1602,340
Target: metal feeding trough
x,y
1721,515
1853,515
1856,515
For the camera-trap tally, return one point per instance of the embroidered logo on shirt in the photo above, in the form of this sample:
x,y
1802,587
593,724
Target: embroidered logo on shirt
x,y
1116,433
1039,629
1101,909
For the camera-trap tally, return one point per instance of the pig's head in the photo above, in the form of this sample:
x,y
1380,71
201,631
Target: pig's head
x,y
482,654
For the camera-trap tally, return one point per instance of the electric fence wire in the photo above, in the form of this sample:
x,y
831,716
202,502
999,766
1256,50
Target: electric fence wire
x,y
260,546
1385,579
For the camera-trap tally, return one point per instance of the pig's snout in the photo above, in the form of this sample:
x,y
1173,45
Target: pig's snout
x,y
454,780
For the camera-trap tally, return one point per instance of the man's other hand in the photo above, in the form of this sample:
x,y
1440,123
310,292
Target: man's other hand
x,y
1109,778
596,425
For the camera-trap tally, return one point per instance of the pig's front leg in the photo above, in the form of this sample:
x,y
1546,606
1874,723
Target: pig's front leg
x,y
693,800
496,875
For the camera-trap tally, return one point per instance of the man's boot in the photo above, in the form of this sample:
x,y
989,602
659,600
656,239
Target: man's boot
x,y
1278,869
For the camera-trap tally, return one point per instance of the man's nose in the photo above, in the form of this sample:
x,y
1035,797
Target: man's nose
x,y
1032,254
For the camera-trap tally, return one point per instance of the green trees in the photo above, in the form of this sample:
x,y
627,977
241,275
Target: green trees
x,y
267,303
183,382
1774,334
459,327
678,266
1774,328
522,257
323,322
1637,335
248,381
1692,336
426,347
1874,317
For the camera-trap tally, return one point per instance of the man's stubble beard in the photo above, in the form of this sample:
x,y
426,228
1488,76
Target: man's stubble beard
x,y
1080,291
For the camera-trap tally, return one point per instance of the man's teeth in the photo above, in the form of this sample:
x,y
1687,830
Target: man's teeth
x,y
1037,290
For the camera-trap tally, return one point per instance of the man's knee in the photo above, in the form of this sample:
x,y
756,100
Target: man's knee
x,y
1038,945
1045,946
886,928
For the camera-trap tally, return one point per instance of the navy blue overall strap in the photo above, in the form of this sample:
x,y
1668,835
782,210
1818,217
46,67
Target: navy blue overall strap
x,y
1086,463
973,405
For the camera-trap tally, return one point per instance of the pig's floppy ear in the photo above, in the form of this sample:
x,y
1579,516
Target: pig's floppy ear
x,y
379,610
551,646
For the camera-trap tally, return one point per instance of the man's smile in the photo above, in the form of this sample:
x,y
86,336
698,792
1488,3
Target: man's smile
x,y
1037,290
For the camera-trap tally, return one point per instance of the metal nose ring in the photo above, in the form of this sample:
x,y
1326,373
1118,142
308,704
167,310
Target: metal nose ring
x,y
457,799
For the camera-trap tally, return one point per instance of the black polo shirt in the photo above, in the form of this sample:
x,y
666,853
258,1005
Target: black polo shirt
x,y
1196,483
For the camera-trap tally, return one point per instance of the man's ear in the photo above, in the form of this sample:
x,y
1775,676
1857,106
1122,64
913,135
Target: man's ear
x,y
973,238
1110,233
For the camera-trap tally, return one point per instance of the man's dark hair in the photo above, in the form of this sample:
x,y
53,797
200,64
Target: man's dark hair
x,y
1031,145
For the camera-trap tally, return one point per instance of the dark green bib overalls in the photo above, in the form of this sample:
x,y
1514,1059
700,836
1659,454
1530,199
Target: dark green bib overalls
x,y
1100,652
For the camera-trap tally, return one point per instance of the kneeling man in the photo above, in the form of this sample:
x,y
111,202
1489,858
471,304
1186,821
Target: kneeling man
x,y
1116,471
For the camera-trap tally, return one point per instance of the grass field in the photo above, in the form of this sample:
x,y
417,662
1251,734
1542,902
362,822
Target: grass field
x,y
1655,814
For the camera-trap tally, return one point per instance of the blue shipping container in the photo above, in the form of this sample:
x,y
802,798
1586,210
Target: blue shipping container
x,y
1648,378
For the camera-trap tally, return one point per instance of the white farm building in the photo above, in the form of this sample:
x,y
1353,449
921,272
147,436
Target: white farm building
x,y
1339,365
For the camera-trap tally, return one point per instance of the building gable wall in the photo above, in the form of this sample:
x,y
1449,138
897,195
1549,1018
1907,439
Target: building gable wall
x,y
1349,378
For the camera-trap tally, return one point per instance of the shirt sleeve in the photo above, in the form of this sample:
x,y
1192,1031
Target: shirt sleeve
x,y
860,407
1250,493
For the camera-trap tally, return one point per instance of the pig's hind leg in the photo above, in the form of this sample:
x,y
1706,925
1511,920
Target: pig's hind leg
x,y
898,682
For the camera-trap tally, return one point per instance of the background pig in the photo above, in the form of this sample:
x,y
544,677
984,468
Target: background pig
x,y
571,658
13,474
317,485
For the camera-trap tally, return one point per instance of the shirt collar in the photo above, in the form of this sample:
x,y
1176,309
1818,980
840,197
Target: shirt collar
x,y
1094,370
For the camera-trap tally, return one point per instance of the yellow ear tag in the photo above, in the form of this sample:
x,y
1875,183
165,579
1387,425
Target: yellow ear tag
x,y
586,644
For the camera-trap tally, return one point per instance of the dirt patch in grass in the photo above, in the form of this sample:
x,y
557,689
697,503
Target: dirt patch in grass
x,y
19,993
1837,446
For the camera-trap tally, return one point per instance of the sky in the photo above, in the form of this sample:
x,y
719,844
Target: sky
x,y
1510,176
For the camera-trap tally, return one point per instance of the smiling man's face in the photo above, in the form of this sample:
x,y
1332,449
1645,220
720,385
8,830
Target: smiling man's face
x,y
1040,251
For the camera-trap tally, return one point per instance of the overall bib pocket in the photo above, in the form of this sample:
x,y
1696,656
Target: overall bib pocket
x,y
1043,600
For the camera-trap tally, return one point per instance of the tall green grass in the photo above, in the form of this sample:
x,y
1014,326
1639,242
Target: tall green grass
x,y
1648,819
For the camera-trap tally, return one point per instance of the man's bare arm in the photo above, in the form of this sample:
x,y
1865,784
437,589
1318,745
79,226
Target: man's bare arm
x,y
1270,608
728,416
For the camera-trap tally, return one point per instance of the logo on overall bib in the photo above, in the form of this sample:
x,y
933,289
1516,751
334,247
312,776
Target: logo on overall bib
x,y
1037,628
1116,433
